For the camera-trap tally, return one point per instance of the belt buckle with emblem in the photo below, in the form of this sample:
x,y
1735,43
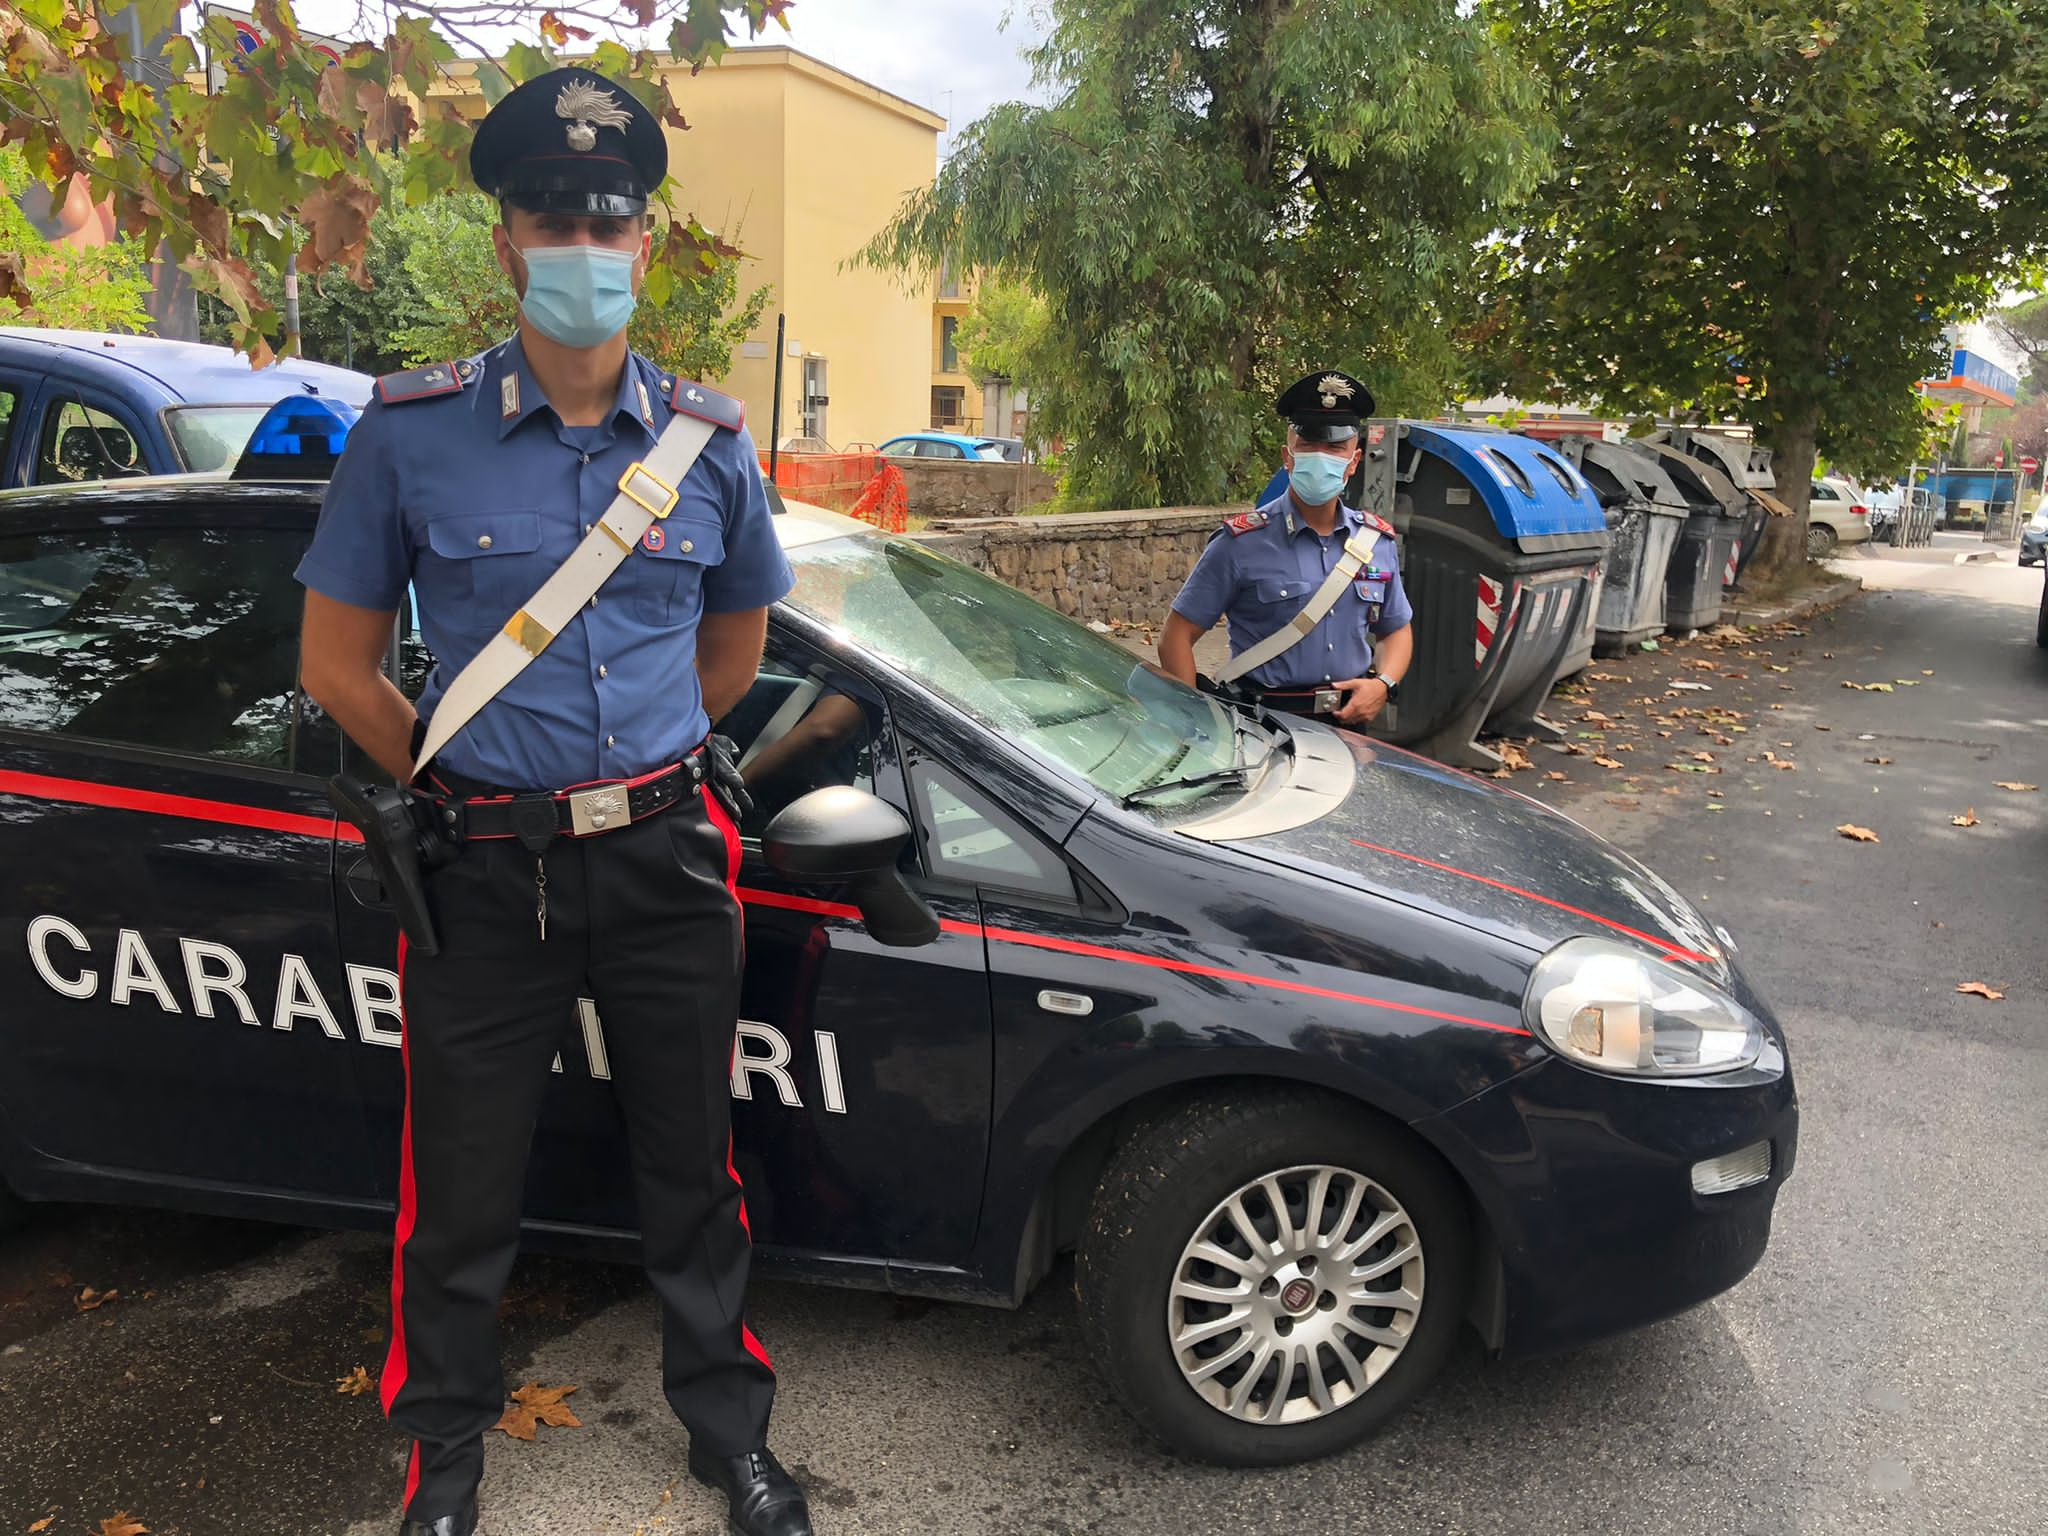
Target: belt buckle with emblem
x,y
1328,700
597,809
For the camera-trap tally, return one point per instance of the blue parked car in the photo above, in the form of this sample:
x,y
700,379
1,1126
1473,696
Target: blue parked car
x,y
943,445
88,405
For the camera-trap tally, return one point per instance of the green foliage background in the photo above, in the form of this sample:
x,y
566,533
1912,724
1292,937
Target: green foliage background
x,y
96,288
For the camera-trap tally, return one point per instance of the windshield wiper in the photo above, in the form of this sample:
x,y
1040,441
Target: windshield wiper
x,y
1238,771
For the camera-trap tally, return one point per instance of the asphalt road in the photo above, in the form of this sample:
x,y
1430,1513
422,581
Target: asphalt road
x,y
1882,1371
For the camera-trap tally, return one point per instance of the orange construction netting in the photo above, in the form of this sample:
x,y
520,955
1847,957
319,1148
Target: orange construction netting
x,y
863,485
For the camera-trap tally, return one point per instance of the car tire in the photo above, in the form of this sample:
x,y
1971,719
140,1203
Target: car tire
x,y
1820,541
1170,1187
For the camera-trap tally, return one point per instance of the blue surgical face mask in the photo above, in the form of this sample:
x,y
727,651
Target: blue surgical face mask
x,y
1318,477
578,295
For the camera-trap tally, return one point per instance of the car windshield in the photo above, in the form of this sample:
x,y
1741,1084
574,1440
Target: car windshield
x,y
1037,678
210,437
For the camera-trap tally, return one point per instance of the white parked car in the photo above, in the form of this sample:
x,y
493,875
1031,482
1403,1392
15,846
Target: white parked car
x,y
1837,515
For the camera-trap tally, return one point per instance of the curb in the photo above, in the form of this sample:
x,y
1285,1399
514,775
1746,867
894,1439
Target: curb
x,y
1975,556
1798,608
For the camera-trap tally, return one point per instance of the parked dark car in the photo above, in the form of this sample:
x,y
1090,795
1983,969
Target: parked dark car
x,y
1316,1051
2034,536
90,405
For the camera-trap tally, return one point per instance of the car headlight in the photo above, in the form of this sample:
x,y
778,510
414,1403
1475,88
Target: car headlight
x,y
1615,1009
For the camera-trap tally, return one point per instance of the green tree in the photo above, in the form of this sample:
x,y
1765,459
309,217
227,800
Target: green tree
x,y
1222,195
2025,328
86,288
286,159
1771,208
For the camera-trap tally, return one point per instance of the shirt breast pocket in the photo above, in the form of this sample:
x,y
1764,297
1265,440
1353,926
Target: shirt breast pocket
x,y
670,565
1280,591
486,558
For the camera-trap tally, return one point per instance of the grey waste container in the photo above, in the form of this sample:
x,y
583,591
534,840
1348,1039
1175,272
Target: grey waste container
x,y
1500,542
1706,545
1748,468
1645,513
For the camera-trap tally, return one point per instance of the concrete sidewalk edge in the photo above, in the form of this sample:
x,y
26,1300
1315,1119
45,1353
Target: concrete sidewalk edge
x,y
1799,608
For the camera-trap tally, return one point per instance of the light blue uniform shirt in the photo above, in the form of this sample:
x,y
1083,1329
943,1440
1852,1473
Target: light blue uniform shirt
x,y
475,497
1263,577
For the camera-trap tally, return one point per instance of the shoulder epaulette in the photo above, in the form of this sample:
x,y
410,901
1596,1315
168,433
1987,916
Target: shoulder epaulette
x,y
708,404
424,383
1379,524
1245,522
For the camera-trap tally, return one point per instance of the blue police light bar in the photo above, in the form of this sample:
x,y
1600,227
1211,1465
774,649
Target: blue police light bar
x,y
299,438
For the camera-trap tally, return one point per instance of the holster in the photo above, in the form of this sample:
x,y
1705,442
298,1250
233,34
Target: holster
x,y
400,842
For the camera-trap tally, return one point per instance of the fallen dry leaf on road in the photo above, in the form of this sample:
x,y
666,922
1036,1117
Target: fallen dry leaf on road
x,y
1702,757
1776,668
123,1524
1594,717
1880,761
1626,805
1556,777
1868,687
355,1383
1690,768
43,1524
1856,834
1967,819
535,1404
1927,671
2014,784
1699,664
90,1300
1978,989
1513,758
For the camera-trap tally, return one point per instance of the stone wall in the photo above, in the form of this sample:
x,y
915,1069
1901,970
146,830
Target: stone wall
x,y
1112,567
942,488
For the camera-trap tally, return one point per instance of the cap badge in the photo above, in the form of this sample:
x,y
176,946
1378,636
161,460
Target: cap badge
x,y
1329,387
588,108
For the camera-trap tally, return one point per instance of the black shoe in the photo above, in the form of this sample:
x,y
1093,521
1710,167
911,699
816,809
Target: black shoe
x,y
461,1523
765,1499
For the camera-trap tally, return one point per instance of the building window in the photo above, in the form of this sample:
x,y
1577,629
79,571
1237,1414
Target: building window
x,y
949,401
949,349
949,280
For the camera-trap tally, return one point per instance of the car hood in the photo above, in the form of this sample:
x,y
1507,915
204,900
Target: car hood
x,y
1445,841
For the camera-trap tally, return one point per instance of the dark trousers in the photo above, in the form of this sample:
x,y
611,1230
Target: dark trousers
x,y
644,921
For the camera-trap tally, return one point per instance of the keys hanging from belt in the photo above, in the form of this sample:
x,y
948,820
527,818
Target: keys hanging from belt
x,y
540,896
534,824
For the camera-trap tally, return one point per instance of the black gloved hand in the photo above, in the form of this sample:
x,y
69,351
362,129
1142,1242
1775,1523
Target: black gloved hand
x,y
726,779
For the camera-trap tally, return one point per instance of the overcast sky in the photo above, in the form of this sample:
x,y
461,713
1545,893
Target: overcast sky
x,y
957,57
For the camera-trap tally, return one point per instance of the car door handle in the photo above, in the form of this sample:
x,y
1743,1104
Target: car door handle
x,y
1071,1003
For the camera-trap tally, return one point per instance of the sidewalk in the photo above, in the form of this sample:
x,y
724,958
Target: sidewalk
x,y
1958,563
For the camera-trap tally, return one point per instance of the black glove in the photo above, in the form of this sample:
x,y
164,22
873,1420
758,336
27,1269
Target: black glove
x,y
726,779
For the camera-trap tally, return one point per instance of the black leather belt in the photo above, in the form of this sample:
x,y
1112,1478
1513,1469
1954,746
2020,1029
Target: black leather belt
x,y
1316,703
472,812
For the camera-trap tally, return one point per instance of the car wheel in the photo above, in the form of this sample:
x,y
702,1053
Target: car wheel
x,y
1270,1281
1820,541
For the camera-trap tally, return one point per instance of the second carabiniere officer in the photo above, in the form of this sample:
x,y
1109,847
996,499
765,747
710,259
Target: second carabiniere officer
x,y
589,546
1319,623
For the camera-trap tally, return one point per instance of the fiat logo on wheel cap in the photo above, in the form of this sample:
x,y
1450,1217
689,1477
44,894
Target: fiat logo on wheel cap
x,y
1297,1296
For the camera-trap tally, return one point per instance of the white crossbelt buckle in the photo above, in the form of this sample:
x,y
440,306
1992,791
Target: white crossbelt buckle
x,y
594,810
647,490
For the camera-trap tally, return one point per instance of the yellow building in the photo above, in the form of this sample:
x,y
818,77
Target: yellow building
x,y
800,164
956,400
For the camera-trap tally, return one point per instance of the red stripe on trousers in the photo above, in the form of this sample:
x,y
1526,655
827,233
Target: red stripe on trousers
x,y
715,809
408,1215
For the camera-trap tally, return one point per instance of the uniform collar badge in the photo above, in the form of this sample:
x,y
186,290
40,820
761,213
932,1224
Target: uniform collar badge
x,y
1330,386
646,409
589,107
508,395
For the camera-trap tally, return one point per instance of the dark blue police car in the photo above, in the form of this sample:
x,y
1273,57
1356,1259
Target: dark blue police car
x,y
1316,1051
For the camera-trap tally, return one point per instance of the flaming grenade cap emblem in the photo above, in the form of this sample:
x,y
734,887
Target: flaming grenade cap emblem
x,y
589,107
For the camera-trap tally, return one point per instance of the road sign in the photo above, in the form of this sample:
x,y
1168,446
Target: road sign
x,y
1998,459
2029,464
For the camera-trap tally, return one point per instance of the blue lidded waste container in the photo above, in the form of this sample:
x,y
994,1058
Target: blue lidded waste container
x,y
1645,514
1501,542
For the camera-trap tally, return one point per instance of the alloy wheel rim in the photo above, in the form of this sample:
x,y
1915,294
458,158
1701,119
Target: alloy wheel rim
x,y
1296,1295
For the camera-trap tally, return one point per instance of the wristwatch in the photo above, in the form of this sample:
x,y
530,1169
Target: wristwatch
x,y
1391,684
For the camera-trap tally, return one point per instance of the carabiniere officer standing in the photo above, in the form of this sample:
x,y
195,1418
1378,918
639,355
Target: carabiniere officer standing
x,y
475,482
1271,569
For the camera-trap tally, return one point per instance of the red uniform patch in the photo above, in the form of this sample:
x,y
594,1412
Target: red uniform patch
x,y
1245,522
653,538
1375,521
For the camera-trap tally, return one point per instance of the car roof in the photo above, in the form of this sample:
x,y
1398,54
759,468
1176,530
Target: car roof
x,y
958,438
189,372
799,523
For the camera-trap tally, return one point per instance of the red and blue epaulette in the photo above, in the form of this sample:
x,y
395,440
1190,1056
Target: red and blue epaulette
x,y
1245,522
708,404
426,382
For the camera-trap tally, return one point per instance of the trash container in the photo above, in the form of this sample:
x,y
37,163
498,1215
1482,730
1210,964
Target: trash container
x,y
1644,515
1748,468
1501,541
1705,545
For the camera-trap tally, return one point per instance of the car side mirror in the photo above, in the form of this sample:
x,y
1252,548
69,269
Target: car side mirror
x,y
843,834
